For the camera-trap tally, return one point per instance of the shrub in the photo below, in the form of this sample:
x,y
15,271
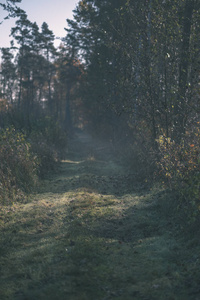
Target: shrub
x,y
18,169
25,156
48,142
141,153
46,153
180,167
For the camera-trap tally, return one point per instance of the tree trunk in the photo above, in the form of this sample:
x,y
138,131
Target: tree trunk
x,y
180,108
68,121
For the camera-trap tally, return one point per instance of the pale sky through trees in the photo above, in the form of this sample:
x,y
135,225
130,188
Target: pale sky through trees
x,y
53,12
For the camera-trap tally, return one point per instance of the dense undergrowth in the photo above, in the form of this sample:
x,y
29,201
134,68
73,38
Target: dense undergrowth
x,y
170,163
18,170
27,156
179,168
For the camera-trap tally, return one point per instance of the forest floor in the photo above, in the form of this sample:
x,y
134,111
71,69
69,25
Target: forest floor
x,y
93,232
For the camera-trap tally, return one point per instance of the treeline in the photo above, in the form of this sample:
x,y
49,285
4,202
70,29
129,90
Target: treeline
x,y
142,60
36,78
37,83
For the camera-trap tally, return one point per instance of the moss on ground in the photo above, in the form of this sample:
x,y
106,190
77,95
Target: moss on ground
x,y
93,232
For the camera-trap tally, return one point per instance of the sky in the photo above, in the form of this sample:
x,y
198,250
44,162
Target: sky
x,y
53,12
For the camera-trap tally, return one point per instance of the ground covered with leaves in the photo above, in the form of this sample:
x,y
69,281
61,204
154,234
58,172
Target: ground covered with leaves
x,y
94,232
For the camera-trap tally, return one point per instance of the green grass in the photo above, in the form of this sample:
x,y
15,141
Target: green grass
x,y
92,233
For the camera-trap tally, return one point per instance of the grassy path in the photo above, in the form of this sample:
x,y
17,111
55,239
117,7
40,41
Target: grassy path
x,y
93,234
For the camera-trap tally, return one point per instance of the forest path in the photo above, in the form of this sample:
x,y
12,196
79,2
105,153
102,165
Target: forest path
x,y
92,233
